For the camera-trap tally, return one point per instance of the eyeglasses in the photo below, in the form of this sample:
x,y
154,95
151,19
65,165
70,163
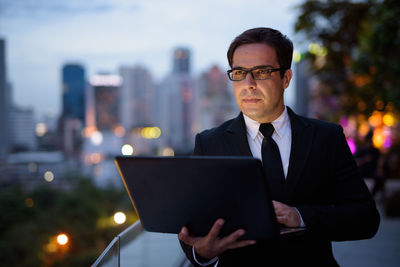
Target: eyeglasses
x,y
258,73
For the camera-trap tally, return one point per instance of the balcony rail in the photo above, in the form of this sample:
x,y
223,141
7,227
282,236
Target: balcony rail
x,y
137,247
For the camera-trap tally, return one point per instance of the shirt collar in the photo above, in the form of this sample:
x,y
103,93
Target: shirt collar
x,y
252,126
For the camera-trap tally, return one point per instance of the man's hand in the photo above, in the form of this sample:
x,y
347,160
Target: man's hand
x,y
286,215
211,245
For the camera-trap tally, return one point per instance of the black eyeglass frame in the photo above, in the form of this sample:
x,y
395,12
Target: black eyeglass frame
x,y
268,69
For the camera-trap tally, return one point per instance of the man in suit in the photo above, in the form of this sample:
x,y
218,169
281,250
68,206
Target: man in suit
x,y
316,185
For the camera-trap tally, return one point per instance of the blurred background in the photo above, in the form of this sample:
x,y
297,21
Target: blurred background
x,y
82,82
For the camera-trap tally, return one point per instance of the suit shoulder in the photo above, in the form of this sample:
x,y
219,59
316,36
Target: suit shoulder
x,y
323,125
215,132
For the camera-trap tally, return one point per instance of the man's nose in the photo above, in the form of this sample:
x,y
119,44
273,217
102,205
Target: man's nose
x,y
249,80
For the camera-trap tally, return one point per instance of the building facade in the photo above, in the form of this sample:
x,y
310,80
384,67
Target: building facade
x,y
138,106
73,92
22,136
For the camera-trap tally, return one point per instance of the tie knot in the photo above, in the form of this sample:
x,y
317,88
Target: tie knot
x,y
267,129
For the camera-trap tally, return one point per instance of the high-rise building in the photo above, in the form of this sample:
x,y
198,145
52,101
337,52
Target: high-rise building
x,y
137,98
22,129
106,90
178,101
73,95
217,102
72,117
4,102
181,63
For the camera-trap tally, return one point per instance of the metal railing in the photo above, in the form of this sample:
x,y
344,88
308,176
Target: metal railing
x,y
137,247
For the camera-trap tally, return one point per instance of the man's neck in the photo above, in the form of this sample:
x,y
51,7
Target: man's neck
x,y
270,118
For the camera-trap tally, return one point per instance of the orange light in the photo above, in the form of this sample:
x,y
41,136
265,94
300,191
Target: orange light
x,y
378,138
363,129
62,239
119,131
95,158
168,151
29,202
375,119
362,80
88,131
388,119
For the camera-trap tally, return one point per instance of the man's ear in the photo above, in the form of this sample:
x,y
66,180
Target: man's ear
x,y
287,77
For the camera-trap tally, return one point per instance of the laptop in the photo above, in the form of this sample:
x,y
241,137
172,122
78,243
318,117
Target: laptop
x,y
194,191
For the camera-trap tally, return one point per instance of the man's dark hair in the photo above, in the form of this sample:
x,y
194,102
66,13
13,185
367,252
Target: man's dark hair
x,y
281,43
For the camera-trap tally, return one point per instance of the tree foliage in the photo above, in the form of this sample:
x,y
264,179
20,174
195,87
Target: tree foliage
x,y
361,67
30,220
379,53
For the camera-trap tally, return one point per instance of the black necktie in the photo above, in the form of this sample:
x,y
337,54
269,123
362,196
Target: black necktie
x,y
272,162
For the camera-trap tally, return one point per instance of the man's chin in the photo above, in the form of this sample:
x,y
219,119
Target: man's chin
x,y
252,114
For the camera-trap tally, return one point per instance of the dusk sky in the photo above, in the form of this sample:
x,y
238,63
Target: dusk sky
x,y
102,35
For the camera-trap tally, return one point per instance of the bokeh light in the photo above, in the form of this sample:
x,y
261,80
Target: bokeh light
x,y
119,217
41,129
127,150
29,202
352,145
96,138
119,131
49,176
388,119
296,56
62,239
168,151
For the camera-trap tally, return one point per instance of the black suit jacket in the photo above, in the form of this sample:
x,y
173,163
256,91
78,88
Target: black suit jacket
x,y
322,182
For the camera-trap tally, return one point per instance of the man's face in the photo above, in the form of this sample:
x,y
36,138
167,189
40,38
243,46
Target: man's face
x,y
261,100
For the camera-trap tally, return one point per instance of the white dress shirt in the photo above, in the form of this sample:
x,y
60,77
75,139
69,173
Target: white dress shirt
x,y
282,136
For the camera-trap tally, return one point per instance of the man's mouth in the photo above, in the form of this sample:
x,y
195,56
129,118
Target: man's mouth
x,y
251,100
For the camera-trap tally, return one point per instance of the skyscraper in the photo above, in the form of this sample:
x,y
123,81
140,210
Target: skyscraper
x,y
72,117
137,97
181,62
22,125
106,89
178,102
73,97
217,102
4,102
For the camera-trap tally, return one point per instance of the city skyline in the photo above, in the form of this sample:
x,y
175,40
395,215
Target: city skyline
x,y
104,35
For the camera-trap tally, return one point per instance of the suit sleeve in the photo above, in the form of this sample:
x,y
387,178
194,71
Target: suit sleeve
x,y
352,214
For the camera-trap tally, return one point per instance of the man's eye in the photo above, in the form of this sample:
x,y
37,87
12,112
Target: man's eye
x,y
238,72
262,71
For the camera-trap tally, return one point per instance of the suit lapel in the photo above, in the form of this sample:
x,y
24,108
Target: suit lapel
x,y
236,135
302,137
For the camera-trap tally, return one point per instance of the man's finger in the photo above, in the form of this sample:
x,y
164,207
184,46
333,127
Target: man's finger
x,y
185,237
277,205
228,240
281,219
242,243
214,232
